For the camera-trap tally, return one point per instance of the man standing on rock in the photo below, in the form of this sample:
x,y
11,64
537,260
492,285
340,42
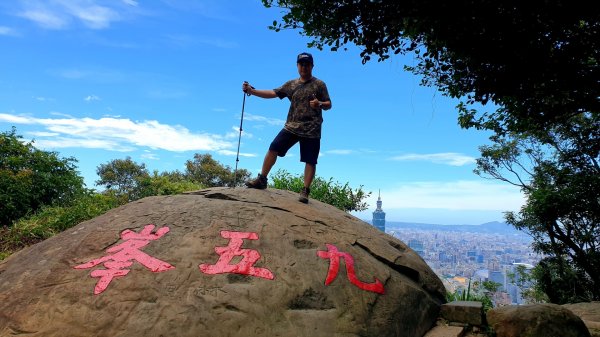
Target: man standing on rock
x,y
309,97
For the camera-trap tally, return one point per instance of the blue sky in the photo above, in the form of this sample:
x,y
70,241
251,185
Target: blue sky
x,y
161,80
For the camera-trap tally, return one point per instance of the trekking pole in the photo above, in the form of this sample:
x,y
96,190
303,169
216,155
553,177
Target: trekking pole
x,y
237,158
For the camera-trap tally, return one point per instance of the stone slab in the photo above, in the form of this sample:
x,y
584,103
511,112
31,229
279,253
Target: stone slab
x,y
468,312
445,331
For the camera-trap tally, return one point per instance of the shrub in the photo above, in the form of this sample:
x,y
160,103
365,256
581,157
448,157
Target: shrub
x,y
327,191
50,220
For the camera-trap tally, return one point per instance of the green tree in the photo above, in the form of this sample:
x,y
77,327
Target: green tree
x,y
167,183
203,169
31,178
490,286
533,67
532,291
471,294
123,177
327,191
557,281
51,220
559,174
131,183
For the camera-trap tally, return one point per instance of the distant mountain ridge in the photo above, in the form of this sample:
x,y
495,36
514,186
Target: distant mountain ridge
x,y
488,227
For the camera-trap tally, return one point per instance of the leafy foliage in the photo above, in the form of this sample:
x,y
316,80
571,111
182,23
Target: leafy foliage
x,y
31,179
204,170
124,180
559,174
166,183
123,177
528,281
470,295
50,220
491,286
131,181
327,191
558,281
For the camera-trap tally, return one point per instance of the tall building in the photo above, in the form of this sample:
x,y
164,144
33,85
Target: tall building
x,y
417,246
379,215
515,285
498,276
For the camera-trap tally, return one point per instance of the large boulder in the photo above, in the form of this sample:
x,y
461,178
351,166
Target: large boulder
x,y
535,320
219,262
589,312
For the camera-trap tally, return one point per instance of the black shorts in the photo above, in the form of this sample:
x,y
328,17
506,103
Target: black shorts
x,y
309,147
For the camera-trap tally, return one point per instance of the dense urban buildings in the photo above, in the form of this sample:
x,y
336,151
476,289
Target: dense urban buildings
x,y
460,255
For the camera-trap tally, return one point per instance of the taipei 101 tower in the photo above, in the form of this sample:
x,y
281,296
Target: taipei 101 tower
x,y
379,215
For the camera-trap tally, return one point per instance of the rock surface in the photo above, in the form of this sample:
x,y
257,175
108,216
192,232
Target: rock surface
x,y
534,320
468,312
219,262
589,312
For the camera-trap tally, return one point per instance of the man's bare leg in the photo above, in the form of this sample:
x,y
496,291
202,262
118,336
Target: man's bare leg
x,y
260,182
268,162
309,175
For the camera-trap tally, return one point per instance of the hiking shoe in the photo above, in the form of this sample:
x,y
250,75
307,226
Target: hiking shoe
x,y
259,182
304,195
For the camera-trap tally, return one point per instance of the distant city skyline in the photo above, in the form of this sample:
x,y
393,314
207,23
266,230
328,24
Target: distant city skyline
x,y
458,256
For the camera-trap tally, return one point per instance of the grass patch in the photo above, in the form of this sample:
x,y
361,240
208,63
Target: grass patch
x,y
51,220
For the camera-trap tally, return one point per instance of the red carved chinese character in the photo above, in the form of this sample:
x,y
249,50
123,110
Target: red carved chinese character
x,y
334,255
124,255
245,266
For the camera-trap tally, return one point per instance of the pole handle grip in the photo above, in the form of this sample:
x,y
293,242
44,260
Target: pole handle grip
x,y
246,82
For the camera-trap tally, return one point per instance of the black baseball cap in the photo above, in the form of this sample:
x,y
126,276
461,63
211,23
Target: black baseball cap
x,y
304,58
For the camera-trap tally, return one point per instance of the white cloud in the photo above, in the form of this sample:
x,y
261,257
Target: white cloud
x,y
446,158
119,134
45,18
233,153
7,31
98,75
92,15
54,113
340,152
148,155
434,216
453,195
88,143
261,119
130,2
58,14
43,134
15,119
90,98
236,133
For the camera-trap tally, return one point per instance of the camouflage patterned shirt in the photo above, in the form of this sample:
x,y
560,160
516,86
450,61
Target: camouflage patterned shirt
x,y
303,120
